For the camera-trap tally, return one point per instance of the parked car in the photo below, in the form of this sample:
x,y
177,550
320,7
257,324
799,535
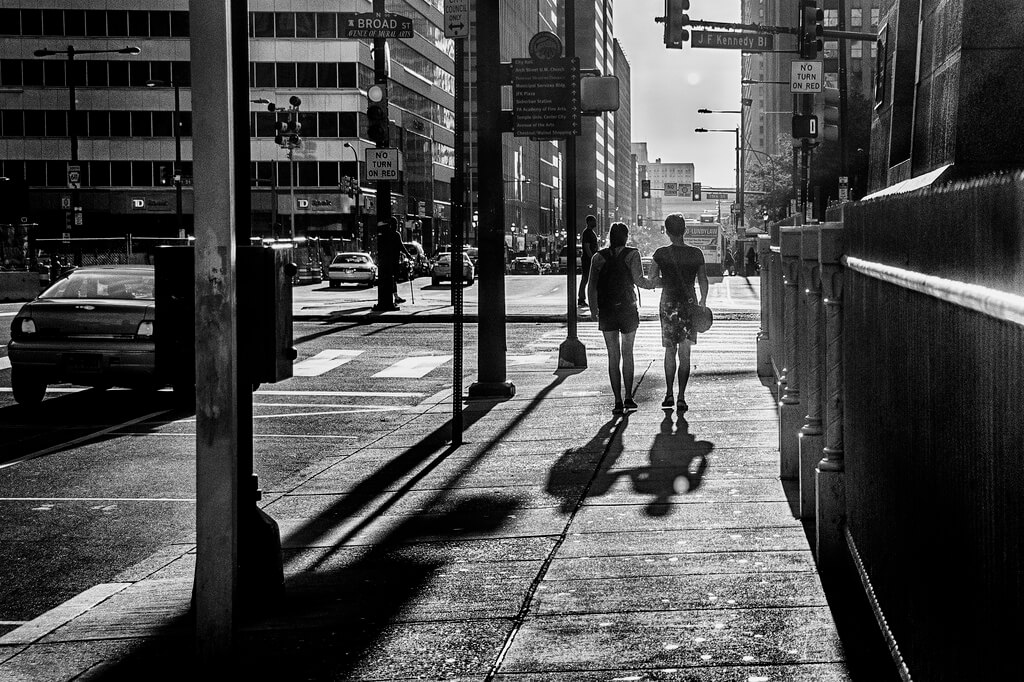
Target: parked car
x,y
420,264
352,268
443,269
94,327
526,265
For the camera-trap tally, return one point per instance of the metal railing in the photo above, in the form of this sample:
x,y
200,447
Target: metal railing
x,y
906,322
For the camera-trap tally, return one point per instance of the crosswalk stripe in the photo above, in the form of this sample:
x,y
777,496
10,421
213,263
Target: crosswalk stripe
x,y
324,361
5,363
413,368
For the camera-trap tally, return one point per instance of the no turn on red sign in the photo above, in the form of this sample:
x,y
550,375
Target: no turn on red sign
x,y
806,78
382,164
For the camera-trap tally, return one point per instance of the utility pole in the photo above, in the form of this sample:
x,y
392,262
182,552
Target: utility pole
x,y
491,381
385,251
572,354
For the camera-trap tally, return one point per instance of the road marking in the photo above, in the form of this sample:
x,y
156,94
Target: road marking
x,y
36,629
342,394
8,314
324,361
413,368
78,441
97,499
5,363
51,389
535,359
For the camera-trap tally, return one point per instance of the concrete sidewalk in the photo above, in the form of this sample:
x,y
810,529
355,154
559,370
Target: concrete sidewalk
x,y
559,542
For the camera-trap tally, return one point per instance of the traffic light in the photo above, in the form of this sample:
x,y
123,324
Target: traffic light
x,y
675,21
280,130
830,114
344,186
377,115
164,179
353,187
645,189
810,28
640,219
805,126
696,191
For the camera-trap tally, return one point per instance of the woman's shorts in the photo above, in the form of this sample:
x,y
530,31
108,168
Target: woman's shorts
x,y
676,325
623,318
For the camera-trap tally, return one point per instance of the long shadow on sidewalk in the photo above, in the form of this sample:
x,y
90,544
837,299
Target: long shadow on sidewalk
x,y
349,606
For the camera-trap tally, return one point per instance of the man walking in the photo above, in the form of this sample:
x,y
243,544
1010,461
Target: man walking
x,y
589,241
394,251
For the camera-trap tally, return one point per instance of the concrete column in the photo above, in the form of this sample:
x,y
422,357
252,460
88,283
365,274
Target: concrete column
x,y
790,410
811,438
764,345
831,491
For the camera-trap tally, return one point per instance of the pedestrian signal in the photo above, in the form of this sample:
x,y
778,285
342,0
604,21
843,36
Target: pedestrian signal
x,y
645,189
696,191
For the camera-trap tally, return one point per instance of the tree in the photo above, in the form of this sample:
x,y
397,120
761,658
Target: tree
x,y
772,176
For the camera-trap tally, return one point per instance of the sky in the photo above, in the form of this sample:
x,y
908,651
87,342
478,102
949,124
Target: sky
x,y
668,86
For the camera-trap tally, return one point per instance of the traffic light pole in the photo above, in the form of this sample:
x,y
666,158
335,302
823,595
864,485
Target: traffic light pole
x,y
385,256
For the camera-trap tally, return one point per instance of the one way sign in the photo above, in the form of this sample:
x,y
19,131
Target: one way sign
x,y
456,18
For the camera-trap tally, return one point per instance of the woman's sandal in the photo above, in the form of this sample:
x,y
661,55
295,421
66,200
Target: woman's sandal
x,y
668,401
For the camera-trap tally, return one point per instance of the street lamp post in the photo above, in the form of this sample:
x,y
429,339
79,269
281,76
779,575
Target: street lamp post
x,y
739,155
177,147
359,199
70,52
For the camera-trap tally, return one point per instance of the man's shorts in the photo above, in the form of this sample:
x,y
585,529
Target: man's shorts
x,y
623,318
676,325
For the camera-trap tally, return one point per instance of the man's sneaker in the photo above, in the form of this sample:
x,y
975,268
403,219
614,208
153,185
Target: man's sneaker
x,y
668,401
618,408
629,404
581,303
399,299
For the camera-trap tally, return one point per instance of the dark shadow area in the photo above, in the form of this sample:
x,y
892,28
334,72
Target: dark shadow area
x,y
70,420
574,470
675,455
344,610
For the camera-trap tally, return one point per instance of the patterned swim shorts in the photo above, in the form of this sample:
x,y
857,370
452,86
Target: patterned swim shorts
x,y
676,325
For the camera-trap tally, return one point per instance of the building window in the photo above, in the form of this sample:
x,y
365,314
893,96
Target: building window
x,y
327,122
35,125
142,173
13,123
160,24
120,124
118,74
120,173
96,73
285,75
264,75
10,72
307,120
56,124
98,124
856,18
875,13
142,124
263,24
99,173
117,23
53,73
56,173
328,173
95,23
305,25
138,24
163,124
305,74
831,17
10,22
856,49
327,75
326,25
53,22
179,25
284,23
31,22
831,49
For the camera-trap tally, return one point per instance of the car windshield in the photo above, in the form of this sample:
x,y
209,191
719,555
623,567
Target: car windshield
x,y
116,284
444,257
351,258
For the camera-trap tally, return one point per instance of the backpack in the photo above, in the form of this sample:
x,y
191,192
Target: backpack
x,y
615,281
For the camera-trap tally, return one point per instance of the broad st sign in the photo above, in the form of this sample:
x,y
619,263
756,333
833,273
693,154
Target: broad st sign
x,y
376,25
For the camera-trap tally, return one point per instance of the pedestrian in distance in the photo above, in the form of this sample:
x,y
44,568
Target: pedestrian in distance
x,y
751,262
589,242
729,264
676,268
395,249
614,272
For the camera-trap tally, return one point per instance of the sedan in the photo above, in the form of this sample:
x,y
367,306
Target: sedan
x,y
442,269
94,328
525,265
352,268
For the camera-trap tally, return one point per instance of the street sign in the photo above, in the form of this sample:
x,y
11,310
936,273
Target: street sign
x,y
716,195
74,177
546,98
751,42
376,25
844,188
65,237
382,164
65,201
806,77
456,18
545,45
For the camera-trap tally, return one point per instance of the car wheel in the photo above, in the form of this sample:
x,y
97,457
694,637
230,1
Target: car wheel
x,y
28,389
434,281
334,284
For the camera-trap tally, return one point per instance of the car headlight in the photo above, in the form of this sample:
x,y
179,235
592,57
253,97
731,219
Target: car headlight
x,y
28,325
145,329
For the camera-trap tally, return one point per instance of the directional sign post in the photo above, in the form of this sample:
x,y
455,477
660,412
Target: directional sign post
x,y
74,177
456,18
375,25
750,42
546,98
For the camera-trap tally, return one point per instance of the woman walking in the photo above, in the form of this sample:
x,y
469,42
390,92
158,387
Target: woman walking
x,y
613,273
674,268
